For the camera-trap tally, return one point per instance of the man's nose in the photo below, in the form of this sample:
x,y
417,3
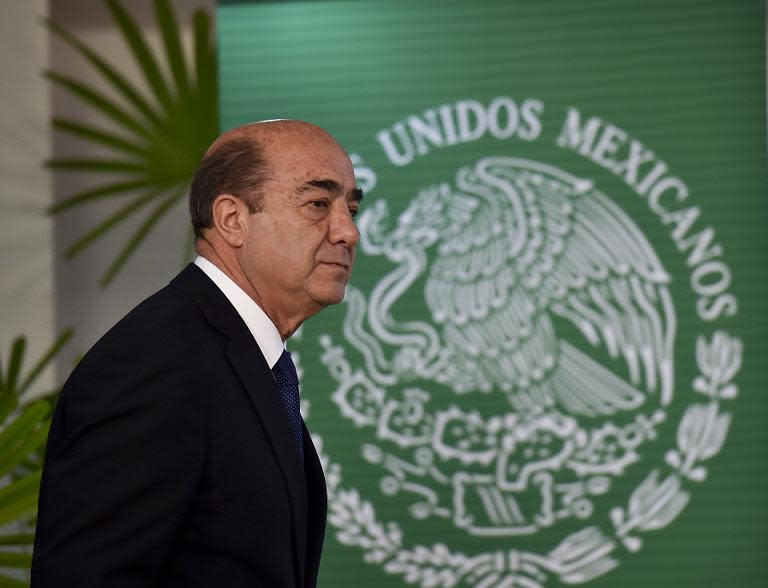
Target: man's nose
x,y
343,228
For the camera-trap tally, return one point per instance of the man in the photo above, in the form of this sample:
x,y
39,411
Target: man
x,y
177,456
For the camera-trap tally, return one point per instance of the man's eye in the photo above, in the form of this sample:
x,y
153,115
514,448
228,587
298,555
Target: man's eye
x,y
353,212
319,204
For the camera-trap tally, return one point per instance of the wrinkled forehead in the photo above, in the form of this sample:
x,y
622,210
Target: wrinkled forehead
x,y
303,154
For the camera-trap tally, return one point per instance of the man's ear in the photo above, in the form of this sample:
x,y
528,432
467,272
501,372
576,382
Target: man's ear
x,y
229,219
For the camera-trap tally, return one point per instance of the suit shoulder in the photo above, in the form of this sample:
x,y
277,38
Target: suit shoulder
x,y
166,337
167,322
162,354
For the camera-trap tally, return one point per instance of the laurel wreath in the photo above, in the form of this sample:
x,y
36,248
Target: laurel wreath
x,y
583,555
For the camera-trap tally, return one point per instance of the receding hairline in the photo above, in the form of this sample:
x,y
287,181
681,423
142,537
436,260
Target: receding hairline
x,y
260,133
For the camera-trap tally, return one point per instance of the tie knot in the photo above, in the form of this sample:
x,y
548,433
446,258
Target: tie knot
x,y
285,368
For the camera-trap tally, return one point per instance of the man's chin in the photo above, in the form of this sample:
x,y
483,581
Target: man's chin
x,y
330,296
337,297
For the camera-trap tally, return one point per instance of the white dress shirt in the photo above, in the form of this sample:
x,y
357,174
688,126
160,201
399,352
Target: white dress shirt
x,y
259,324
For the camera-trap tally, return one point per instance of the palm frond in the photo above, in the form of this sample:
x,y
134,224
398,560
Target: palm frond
x,y
205,56
141,52
102,191
45,360
23,431
15,559
111,75
97,165
169,29
14,363
139,236
25,434
158,142
8,582
96,135
17,539
99,101
112,221
18,499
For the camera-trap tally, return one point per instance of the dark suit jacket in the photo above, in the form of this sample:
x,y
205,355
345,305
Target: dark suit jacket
x,y
171,460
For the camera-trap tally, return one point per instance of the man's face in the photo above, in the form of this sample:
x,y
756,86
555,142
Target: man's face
x,y
300,247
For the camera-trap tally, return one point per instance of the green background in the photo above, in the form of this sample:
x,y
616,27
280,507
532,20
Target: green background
x,y
686,78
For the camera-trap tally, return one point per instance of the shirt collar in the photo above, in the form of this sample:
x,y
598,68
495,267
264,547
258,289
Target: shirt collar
x,y
259,324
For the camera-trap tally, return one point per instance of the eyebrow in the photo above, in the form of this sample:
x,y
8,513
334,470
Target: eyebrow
x,y
331,186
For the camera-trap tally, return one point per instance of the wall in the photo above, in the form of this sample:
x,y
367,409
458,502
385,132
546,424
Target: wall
x,y
26,265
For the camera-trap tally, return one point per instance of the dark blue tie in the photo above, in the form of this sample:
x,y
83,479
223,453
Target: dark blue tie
x,y
288,383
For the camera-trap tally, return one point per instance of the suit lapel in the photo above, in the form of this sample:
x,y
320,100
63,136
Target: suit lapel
x,y
254,373
257,379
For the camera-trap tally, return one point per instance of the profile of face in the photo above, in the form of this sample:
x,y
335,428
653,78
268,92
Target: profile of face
x,y
299,248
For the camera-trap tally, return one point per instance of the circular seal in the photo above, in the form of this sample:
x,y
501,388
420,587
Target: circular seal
x,y
514,405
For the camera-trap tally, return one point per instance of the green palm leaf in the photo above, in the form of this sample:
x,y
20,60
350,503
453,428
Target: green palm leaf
x,y
205,59
110,74
23,432
96,135
141,52
98,165
99,101
6,582
113,220
141,233
103,191
156,143
167,21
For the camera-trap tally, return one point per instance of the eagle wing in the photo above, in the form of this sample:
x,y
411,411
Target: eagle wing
x,y
542,242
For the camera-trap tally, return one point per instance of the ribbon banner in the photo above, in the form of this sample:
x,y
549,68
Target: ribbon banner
x,y
549,365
